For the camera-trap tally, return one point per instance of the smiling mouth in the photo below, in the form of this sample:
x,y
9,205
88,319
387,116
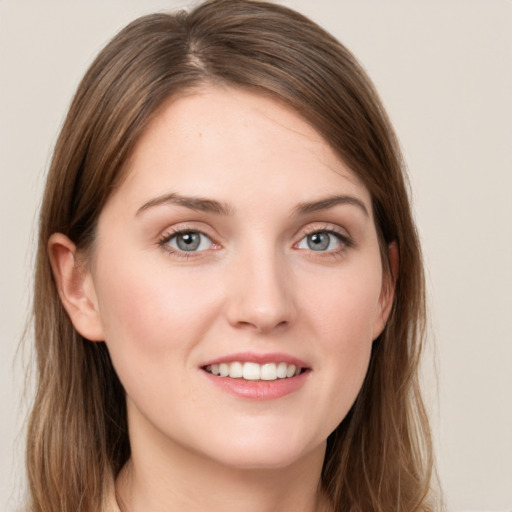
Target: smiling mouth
x,y
254,371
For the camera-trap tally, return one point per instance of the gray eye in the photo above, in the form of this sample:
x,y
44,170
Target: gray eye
x,y
318,241
321,241
189,241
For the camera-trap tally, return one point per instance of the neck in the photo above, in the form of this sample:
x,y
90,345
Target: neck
x,y
176,479
250,491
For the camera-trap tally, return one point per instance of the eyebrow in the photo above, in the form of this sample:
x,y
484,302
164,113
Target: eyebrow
x,y
330,202
220,208
193,203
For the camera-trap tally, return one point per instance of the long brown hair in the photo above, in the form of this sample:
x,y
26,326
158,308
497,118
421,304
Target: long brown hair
x,y
380,457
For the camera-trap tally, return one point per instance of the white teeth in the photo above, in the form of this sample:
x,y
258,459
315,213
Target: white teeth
x,y
281,370
223,370
254,371
251,371
236,370
269,371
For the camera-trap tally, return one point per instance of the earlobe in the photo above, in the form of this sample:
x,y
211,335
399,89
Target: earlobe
x,y
387,293
75,287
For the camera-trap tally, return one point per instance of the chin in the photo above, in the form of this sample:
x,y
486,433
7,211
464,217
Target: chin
x,y
265,454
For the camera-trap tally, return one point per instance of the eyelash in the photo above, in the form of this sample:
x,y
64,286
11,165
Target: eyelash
x,y
345,241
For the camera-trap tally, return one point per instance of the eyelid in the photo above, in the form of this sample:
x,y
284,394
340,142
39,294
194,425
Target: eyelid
x,y
325,227
186,226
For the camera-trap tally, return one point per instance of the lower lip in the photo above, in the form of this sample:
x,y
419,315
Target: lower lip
x,y
259,389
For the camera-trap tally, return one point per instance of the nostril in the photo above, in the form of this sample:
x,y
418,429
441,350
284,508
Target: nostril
x,y
260,325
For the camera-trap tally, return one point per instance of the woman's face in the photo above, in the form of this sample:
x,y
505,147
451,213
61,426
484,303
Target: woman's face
x,y
238,282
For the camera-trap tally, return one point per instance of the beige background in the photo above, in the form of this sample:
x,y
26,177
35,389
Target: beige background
x,y
444,70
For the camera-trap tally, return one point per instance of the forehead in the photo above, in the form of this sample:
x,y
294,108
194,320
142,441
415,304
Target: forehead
x,y
235,145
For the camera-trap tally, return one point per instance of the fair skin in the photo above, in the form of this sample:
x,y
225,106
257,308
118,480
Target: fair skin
x,y
238,237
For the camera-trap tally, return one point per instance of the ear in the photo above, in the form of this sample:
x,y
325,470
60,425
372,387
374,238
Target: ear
x,y
75,287
387,292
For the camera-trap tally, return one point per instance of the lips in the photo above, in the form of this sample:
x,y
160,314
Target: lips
x,y
257,376
251,366
254,371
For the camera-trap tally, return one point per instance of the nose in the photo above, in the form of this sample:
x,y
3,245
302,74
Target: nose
x,y
262,296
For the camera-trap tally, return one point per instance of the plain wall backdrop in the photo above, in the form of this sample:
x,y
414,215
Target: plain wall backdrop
x,y
444,71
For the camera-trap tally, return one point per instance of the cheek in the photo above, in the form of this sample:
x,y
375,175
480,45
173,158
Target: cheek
x,y
153,321
149,313
344,316
347,335
346,304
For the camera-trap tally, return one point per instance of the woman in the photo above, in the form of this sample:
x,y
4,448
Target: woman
x,y
229,298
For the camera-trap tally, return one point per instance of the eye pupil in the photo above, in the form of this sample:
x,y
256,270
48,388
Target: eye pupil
x,y
318,241
188,241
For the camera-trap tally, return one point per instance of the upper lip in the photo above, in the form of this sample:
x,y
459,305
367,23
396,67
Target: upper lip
x,y
252,357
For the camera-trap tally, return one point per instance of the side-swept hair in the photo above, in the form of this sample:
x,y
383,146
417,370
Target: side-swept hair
x,y
380,457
